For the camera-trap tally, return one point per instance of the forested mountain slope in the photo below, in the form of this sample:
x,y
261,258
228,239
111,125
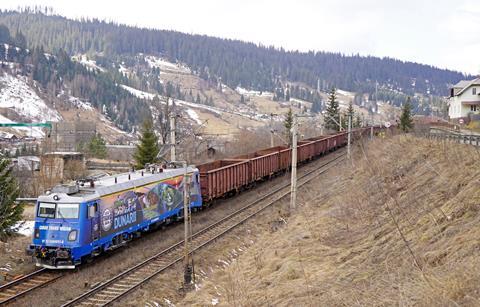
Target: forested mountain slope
x,y
237,63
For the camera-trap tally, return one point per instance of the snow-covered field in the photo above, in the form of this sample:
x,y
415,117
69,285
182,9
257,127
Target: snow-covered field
x,y
156,62
89,64
17,95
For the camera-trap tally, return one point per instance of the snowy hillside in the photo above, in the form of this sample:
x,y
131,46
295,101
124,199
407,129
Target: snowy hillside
x,y
17,95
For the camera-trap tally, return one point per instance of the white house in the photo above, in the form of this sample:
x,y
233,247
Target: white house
x,y
464,99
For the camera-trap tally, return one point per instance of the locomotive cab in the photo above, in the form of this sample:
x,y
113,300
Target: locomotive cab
x,y
57,231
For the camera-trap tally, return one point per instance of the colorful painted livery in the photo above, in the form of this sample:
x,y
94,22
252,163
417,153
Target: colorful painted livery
x,y
74,226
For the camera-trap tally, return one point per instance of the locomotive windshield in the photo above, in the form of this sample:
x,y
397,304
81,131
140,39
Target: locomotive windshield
x,y
46,210
52,210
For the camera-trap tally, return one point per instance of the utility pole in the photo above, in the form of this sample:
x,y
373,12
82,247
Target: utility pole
x,y
293,188
340,118
173,156
349,132
188,268
271,130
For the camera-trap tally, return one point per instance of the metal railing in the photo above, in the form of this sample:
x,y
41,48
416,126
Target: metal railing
x,y
469,139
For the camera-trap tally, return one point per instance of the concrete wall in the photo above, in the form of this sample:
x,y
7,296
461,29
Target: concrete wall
x,y
66,136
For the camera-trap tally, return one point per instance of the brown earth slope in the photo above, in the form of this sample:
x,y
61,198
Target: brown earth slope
x,y
398,227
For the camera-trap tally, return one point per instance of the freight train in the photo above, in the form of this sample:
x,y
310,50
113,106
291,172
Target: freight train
x,y
75,223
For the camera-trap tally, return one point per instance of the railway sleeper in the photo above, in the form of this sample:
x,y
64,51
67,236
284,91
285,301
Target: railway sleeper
x,y
119,284
95,300
117,290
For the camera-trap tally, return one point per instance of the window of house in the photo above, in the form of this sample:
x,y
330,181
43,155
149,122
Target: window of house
x,y
473,108
474,91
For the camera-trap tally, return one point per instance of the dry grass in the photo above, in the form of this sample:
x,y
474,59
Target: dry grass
x,y
400,227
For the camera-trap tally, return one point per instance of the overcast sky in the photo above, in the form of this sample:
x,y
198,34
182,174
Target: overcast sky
x,y
443,33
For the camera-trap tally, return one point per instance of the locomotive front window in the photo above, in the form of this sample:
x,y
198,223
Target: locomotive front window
x,y
46,210
67,211
59,211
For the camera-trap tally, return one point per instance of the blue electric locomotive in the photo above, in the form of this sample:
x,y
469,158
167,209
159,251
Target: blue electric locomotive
x,y
76,223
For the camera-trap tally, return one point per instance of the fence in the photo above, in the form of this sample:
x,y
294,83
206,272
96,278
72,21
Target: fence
x,y
470,139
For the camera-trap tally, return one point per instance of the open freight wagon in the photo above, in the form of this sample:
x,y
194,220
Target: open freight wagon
x,y
221,177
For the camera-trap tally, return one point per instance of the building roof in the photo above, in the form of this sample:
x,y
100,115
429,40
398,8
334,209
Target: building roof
x,y
465,84
462,84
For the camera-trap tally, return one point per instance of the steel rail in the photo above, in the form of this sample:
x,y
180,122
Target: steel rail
x,y
21,286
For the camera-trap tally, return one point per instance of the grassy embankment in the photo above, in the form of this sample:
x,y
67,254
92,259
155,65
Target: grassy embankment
x,y
400,227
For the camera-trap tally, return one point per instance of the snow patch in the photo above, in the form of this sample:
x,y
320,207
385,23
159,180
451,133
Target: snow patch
x,y
79,104
193,115
245,92
124,70
163,64
35,132
251,93
24,227
7,267
89,64
6,50
214,301
198,106
345,93
16,94
169,303
138,93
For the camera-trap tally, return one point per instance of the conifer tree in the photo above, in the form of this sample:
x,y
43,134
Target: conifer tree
x,y
358,121
351,114
350,110
288,124
333,113
147,149
97,147
406,121
10,211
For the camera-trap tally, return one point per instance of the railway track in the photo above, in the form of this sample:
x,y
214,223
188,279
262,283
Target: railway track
x,y
127,281
24,285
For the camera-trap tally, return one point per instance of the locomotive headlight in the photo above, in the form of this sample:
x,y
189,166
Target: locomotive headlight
x,y
72,236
